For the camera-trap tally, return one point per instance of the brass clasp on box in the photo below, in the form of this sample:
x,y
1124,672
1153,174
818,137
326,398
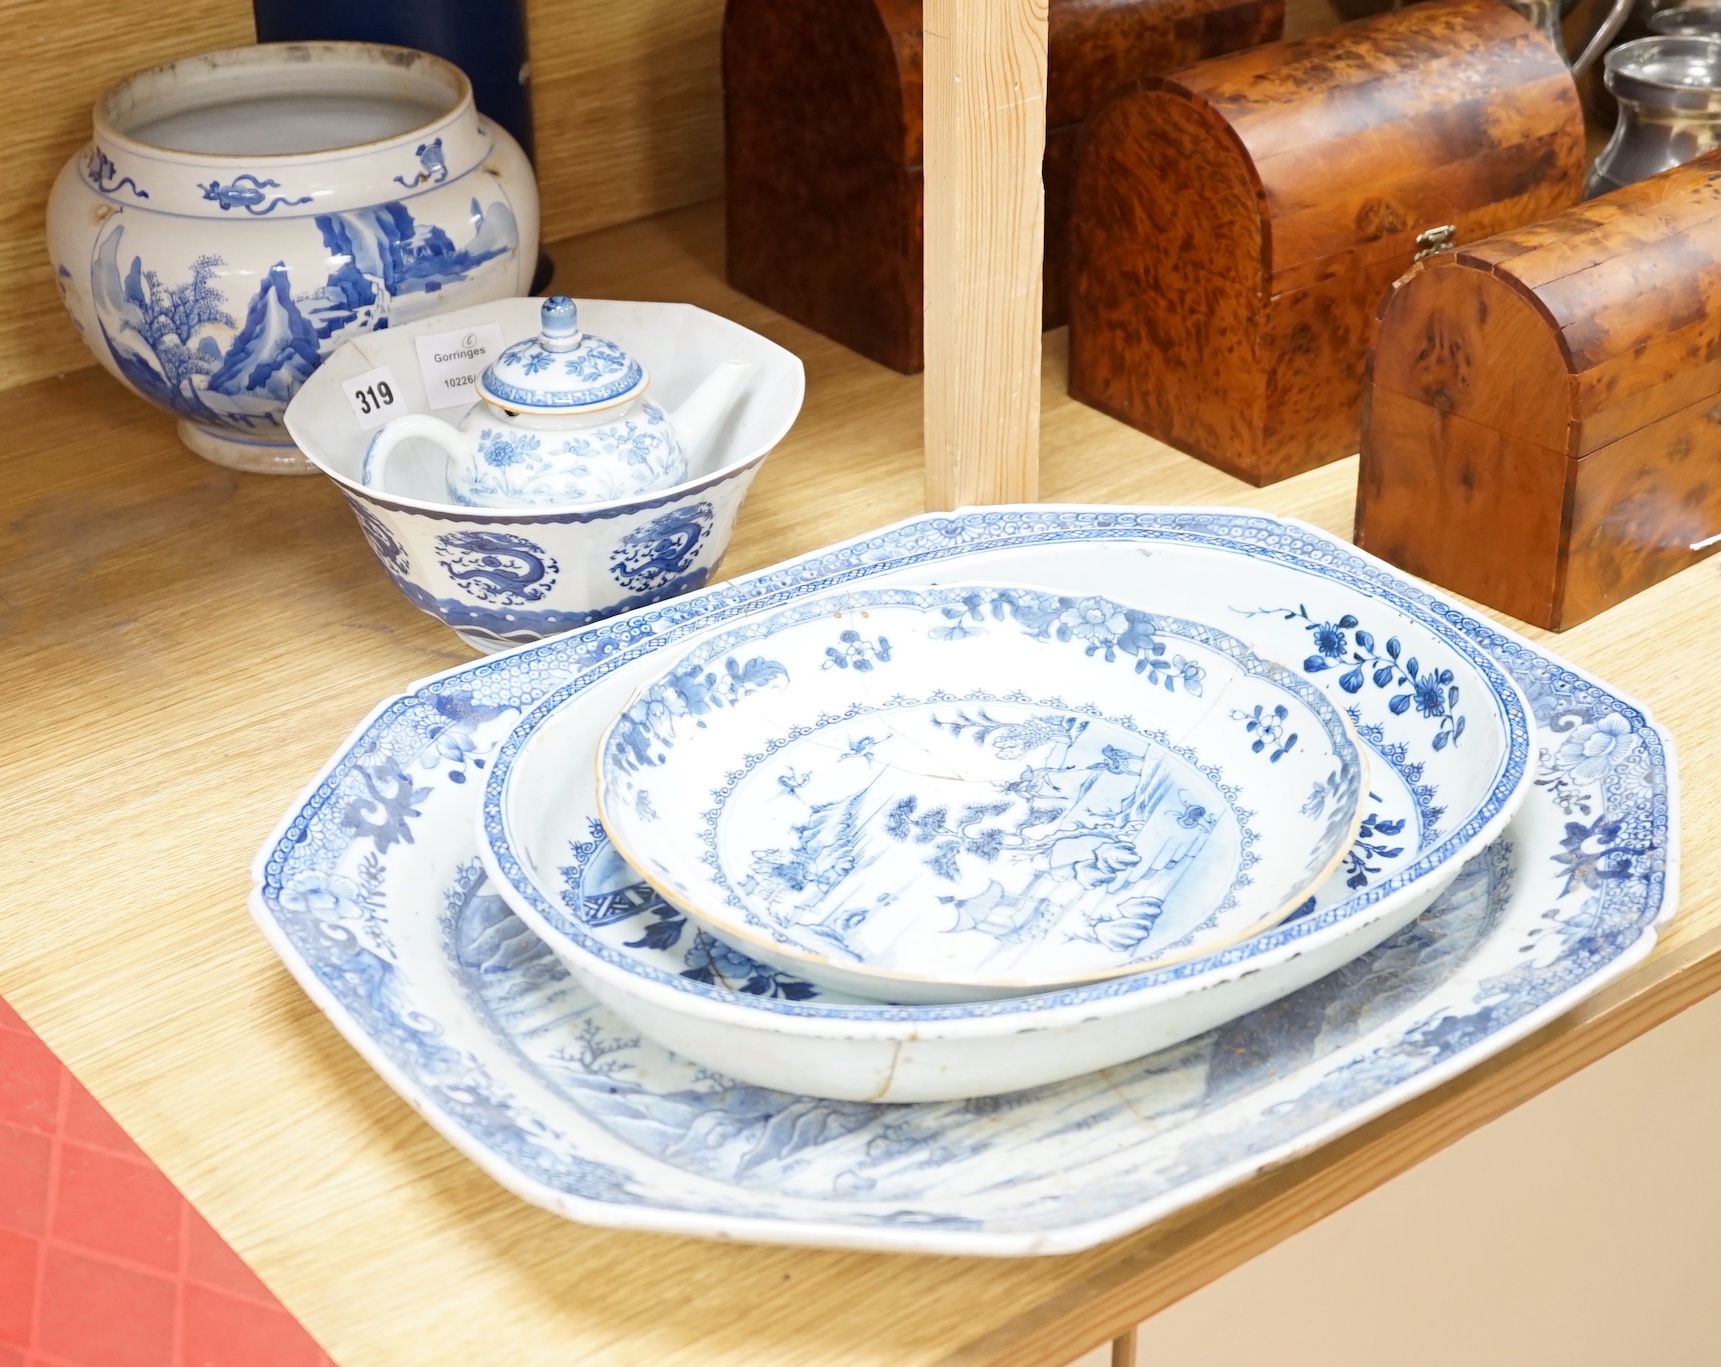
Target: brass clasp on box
x,y
1435,240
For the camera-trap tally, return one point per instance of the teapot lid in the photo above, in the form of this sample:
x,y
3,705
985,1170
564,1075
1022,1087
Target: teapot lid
x,y
562,370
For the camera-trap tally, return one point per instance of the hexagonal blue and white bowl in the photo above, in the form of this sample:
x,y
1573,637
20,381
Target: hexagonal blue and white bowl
x,y
504,577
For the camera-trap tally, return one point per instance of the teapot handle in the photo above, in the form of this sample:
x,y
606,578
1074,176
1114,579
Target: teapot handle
x,y
404,428
1603,35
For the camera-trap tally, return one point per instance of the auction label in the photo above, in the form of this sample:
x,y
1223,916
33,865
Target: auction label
x,y
375,397
451,363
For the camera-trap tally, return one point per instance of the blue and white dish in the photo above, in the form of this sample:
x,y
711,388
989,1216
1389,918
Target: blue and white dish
x,y
372,894
547,854
503,576
978,791
562,419
238,215
1432,803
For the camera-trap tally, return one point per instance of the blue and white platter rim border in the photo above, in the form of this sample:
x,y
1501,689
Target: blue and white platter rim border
x,y
1662,880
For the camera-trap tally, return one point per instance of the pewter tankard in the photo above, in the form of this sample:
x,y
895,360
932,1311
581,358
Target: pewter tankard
x,y
1669,93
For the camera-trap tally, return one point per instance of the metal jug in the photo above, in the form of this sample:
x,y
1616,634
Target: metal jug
x,y
1545,15
1702,20
1669,93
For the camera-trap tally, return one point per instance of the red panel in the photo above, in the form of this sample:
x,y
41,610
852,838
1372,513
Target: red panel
x,y
210,1260
98,1314
127,1274
29,1082
24,1158
224,1331
88,1123
18,1256
118,1206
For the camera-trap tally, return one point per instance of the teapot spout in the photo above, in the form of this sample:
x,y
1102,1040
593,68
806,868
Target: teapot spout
x,y
697,420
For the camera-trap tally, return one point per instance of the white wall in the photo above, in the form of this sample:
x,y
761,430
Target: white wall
x,y
1581,1230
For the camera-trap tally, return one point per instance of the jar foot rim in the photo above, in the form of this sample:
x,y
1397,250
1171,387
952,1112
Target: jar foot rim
x,y
253,457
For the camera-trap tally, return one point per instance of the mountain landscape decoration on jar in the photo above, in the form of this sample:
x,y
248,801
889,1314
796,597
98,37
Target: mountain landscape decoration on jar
x,y
192,344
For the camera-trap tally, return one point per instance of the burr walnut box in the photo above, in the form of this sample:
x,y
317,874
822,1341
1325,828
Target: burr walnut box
x,y
822,126
1542,428
1236,223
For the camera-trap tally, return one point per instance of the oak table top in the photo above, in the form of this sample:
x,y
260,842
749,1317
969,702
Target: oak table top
x,y
184,646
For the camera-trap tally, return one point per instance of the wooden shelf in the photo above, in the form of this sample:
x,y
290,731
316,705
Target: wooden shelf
x,y
185,646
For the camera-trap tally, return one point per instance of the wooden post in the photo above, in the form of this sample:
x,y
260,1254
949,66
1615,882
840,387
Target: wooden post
x,y
1123,1350
985,130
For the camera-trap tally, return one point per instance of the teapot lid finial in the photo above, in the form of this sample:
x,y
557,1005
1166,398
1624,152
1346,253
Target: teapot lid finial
x,y
561,324
562,369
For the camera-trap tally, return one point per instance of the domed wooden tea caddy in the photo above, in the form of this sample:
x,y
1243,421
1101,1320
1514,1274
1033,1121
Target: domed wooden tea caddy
x,y
1542,430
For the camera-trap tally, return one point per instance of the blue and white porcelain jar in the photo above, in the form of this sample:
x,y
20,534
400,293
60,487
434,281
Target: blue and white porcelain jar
x,y
239,215
563,419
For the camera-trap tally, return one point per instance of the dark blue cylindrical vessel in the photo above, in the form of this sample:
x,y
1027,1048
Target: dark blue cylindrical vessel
x,y
484,38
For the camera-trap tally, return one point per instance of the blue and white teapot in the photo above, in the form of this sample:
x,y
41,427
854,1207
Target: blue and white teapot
x,y
562,419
